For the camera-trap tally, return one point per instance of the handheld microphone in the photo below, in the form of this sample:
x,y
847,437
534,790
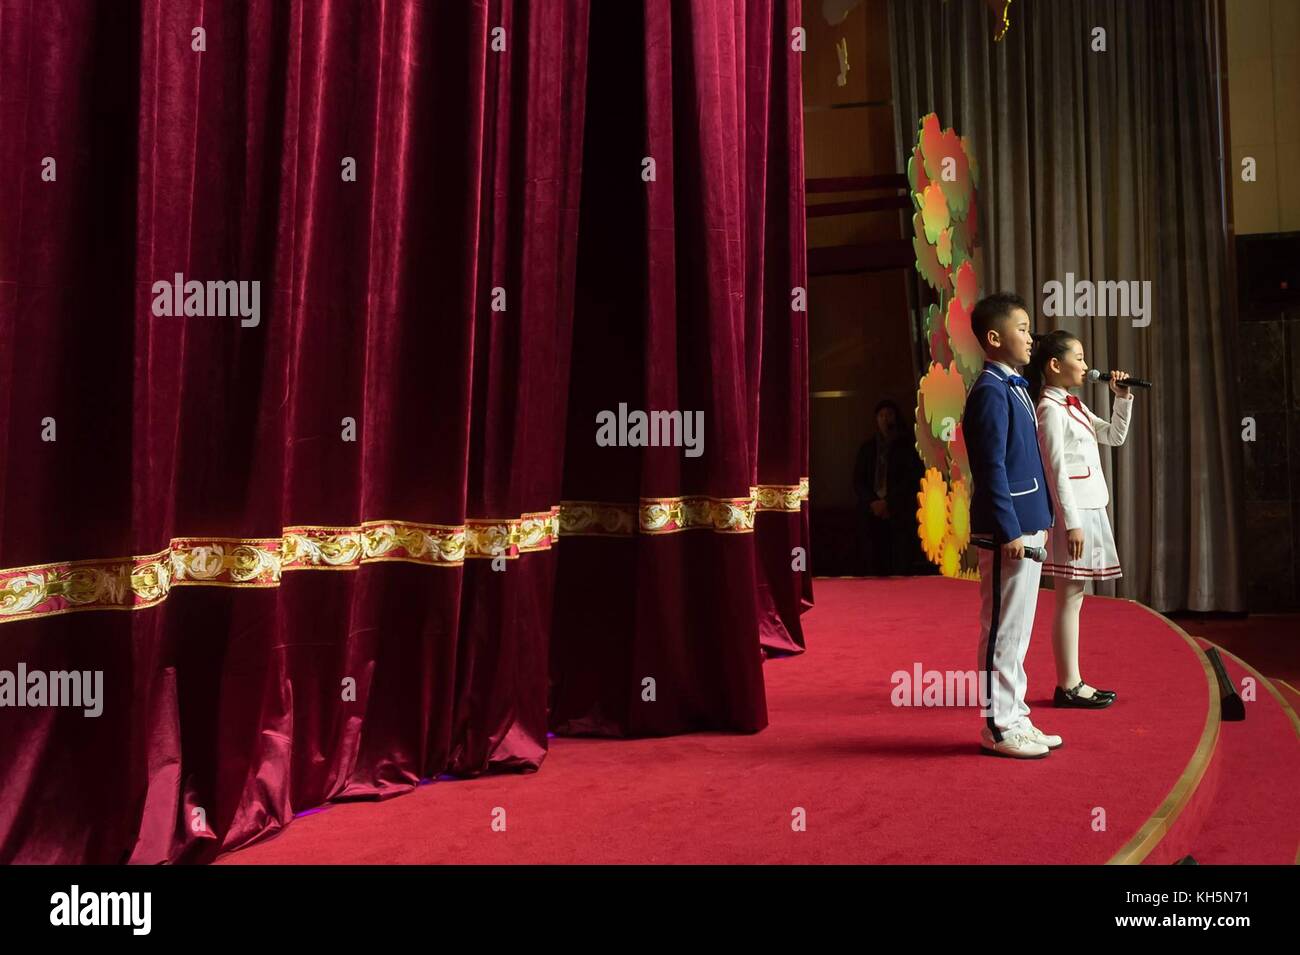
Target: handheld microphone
x,y
1032,553
1095,375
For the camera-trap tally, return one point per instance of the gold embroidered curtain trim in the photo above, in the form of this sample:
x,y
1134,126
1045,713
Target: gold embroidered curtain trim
x,y
133,583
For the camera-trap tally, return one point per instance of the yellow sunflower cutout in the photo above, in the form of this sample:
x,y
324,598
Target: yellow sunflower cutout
x,y
932,514
950,558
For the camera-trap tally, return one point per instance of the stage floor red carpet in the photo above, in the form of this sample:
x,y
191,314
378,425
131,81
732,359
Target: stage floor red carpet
x,y
877,783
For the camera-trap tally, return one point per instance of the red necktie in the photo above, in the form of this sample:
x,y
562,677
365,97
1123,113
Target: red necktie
x,y
1071,400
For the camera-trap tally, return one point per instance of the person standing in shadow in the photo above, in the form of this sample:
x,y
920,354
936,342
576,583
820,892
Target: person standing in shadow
x,y
886,477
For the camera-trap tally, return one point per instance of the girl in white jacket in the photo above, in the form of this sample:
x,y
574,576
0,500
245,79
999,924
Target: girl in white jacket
x,y
1080,545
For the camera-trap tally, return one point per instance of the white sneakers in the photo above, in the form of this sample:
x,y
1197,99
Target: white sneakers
x,y
1025,743
1038,736
1018,745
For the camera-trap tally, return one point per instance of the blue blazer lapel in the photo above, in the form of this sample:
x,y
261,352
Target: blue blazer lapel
x,y
1018,397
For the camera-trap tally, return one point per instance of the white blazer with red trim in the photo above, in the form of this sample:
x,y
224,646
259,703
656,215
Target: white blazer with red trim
x,y
1069,438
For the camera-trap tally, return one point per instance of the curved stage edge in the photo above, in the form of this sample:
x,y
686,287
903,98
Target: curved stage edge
x,y
1251,824
876,783
1184,791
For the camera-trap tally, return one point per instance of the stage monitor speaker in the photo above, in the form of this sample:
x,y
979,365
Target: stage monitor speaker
x,y
1230,706
1268,269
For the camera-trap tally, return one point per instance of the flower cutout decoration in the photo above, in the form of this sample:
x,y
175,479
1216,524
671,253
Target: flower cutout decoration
x,y
916,176
945,399
934,213
949,558
927,259
942,172
932,514
943,249
930,144
937,335
965,286
963,345
960,254
947,163
932,451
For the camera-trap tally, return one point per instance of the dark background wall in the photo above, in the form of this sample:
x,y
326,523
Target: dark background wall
x,y
1263,55
1269,339
860,332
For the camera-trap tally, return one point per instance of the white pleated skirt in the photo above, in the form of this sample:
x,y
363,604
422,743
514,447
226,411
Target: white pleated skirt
x,y
1100,560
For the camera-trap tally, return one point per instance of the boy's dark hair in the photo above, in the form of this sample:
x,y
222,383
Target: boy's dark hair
x,y
888,403
991,311
1046,347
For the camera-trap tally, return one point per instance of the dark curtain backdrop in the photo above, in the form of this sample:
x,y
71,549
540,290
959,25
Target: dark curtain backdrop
x,y
1109,166
486,553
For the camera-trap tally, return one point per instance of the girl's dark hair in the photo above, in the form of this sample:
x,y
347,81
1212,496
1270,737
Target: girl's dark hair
x,y
1046,347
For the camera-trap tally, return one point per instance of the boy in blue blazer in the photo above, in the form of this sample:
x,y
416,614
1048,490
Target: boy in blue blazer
x,y
1010,506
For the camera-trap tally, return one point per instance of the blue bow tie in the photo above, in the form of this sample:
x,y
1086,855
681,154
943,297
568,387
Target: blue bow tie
x,y
1016,380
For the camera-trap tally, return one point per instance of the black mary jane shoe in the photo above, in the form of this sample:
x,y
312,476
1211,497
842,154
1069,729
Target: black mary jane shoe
x,y
1071,698
1096,692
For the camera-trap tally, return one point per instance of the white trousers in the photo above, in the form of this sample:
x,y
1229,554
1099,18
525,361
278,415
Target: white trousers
x,y
1008,598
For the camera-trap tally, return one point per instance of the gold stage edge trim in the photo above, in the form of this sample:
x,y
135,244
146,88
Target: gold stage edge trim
x,y
1160,822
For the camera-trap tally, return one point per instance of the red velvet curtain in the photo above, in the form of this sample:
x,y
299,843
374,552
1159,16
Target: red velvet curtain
x,y
685,300
458,265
